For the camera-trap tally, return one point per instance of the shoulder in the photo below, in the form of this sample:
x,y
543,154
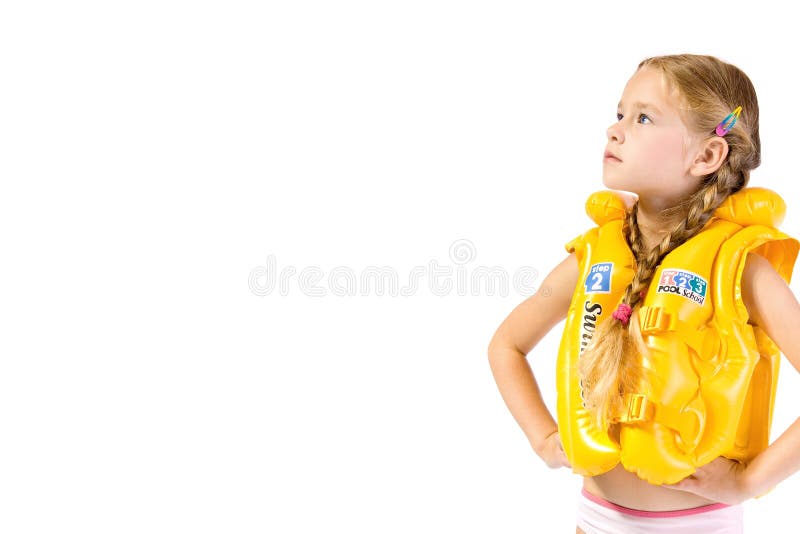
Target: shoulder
x,y
533,318
772,305
563,278
757,269
557,289
765,294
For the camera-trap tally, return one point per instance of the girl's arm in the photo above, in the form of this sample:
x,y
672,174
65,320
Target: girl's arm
x,y
772,306
516,336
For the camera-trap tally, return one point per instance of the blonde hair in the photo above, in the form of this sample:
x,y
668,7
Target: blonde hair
x,y
708,89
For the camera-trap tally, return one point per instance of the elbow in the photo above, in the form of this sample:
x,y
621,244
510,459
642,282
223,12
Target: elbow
x,y
496,345
493,349
500,349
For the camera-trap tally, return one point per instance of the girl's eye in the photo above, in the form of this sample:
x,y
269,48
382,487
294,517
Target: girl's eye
x,y
619,116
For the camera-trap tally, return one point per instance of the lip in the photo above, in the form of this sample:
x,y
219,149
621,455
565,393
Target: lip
x,y
609,156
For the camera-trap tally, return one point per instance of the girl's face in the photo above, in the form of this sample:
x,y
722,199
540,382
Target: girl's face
x,y
653,147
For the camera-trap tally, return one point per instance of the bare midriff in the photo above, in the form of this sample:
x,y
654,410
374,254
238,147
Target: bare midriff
x,y
625,488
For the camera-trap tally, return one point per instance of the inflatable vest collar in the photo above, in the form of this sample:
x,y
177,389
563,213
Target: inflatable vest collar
x,y
715,374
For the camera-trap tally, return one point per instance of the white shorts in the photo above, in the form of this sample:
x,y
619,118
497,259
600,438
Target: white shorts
x,y
599,516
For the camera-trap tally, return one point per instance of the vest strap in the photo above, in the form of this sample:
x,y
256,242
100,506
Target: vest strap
x,y
657,319
640,409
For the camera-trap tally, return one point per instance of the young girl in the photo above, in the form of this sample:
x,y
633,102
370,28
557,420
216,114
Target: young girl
x,y
677,309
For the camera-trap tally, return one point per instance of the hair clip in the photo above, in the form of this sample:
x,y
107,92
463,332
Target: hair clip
x,y
725,127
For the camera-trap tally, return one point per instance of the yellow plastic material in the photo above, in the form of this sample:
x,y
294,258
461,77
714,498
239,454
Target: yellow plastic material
x,y
712,387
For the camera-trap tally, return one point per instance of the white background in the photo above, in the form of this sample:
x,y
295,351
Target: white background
x,y
155,154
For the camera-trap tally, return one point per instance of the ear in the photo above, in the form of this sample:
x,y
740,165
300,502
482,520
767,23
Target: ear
x,y
709,157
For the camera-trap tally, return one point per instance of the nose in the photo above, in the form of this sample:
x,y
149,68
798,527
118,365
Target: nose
x,y
614,132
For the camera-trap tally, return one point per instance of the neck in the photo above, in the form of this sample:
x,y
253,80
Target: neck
x,y
654,225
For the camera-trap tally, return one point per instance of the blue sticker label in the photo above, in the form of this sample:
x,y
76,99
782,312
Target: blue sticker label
x,y
684,283
599,278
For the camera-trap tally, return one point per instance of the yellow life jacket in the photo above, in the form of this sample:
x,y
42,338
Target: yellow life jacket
x,y
715,374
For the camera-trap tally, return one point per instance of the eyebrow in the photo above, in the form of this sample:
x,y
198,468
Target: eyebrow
x,y
643,105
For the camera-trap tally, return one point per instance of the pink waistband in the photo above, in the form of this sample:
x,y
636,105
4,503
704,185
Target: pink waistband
x,y
647,513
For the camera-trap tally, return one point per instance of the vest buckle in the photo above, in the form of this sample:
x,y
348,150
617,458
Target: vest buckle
x,y
688,424
640,408
656,319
